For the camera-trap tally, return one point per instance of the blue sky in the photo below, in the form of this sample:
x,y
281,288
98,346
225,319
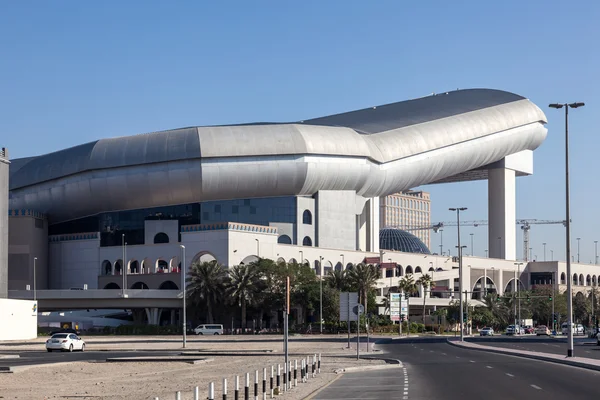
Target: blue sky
x,y
72,72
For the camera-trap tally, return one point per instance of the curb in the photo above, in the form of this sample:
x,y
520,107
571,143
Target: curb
x,y
21,368
4,356
319,390
160,359
538,357
391,363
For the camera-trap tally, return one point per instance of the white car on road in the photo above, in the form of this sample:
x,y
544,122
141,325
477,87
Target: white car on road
x,y
65,342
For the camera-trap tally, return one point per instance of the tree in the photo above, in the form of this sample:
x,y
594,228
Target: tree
x,y
407,285
243,287
363,277
205,285
337,279
427,283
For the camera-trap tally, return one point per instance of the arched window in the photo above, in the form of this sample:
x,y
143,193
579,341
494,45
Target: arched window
x,y
307,241
284,239
112,285
409,270
106,268
307,217
562,278
139,285
168,285
574,279
161,237
418,270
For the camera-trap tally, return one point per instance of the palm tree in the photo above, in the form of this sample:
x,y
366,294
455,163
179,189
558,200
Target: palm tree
x,y
206,285
243,287
425,282
407,285
336,279
363,278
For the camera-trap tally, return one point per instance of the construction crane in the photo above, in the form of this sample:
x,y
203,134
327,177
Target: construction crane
x,y
524,223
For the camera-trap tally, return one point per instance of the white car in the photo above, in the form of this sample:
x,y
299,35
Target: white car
x,y
65,342
209,329
487,331
542,330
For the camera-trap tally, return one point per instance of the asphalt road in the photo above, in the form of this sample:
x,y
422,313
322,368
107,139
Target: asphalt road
x,y
582,347
43,357
441,371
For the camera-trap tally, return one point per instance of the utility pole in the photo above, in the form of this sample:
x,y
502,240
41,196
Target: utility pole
x,y
544,244
460,272
595,252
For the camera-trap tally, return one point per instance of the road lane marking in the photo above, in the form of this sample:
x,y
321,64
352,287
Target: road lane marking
x,y
457,357
471,361
487,366
536,387
511,375
444,354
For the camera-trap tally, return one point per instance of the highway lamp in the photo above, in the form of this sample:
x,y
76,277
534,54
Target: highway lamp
x,y
551,255
544,244
460,280
595,252
321,294
183,273
568,223
34,287
578,239
518,283
441,231
472,254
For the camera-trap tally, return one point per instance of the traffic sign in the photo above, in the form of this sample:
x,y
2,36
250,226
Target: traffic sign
x,y
358,309
348,300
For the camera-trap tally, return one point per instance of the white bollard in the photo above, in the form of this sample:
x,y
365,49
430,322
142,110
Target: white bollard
x,y
236,393
211,391
285,386
271,383
196,393
178,396
319,365
264,386
290,382
256,385
247,387
295,372
224,388
279,378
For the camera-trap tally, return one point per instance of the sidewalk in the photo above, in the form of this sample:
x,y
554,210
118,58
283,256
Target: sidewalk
x,y
581,362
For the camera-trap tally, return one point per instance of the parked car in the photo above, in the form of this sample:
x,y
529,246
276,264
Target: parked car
x,y
65,342
487,331
542,330
529,330
209,329
515,330
577,329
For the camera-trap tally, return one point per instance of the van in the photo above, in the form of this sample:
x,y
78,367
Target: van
x,y
209,329
577,329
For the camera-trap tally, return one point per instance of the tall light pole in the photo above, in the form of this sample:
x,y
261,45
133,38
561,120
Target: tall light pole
x,y
595,252
530,253
441,242
486,253
183,274
578,239
460,280
551,255
321,294
568,223
500,245
472,234
34,288
544,244
518,283
123,264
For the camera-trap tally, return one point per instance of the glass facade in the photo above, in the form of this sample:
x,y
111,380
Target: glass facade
x,y
112,225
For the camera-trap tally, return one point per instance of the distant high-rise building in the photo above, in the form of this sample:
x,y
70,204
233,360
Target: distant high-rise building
x,y
407,210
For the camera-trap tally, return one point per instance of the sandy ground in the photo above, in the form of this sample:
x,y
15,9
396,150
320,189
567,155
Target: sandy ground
x,y
149,380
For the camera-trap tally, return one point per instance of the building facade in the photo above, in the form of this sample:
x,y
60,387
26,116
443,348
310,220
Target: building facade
x,y
409,211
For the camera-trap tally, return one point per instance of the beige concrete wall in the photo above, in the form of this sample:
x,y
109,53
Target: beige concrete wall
x,y
19,319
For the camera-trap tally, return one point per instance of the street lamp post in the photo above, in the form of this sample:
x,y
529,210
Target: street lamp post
x,y
183,273
34,287
441,242
321,294
595,252
500,245
530,254
123,264
578,239
551,255
568,222
472,234
517,282
544,244
460,280
486,253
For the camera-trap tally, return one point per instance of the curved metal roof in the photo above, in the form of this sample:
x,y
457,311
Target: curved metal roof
x,y
374,152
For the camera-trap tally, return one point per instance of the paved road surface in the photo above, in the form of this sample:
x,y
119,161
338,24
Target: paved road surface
x,y
442,371
581,347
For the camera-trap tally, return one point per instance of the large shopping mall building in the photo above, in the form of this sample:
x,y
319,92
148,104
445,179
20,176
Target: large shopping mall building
x,y
308,191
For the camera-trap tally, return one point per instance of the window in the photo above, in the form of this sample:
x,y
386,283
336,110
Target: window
x,y
235,209
161,237
307,241
284,239
307,218
217,208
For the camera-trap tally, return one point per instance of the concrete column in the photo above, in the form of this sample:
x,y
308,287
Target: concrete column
x,y
4,222
502,213
373,224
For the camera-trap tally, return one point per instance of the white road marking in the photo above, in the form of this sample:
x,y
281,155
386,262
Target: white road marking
x,y
487,366
536,387
511,375
457,357
471,361
444,354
